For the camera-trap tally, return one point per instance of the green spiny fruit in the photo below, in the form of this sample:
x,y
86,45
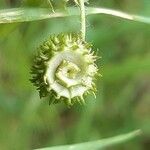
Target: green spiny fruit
x,y
64,68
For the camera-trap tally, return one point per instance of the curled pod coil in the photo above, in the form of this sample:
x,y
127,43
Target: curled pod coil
x,y
64,68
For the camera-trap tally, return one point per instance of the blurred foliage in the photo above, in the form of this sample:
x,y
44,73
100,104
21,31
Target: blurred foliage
x,y
123,97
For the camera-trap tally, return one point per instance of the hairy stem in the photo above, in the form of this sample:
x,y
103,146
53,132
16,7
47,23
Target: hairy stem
x,y
50,4
83,21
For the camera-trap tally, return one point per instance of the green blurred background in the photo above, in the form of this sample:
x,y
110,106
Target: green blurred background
x,y
123,97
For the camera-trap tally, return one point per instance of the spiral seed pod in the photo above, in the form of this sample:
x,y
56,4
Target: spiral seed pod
x,y
64,68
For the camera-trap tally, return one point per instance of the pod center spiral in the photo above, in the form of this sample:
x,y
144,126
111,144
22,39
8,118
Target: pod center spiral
x,y
67,73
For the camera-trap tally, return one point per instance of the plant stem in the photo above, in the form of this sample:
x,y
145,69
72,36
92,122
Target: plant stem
x,y
50,3
83,21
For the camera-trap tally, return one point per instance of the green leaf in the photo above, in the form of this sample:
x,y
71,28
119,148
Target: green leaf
x,y
99,144
27,14
31,14
118,14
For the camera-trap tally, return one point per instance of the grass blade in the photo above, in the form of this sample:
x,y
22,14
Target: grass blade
x,y
118,14
27,14
31,14
99,144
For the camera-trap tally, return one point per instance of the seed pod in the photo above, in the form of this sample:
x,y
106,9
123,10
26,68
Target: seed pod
x,y
64,69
